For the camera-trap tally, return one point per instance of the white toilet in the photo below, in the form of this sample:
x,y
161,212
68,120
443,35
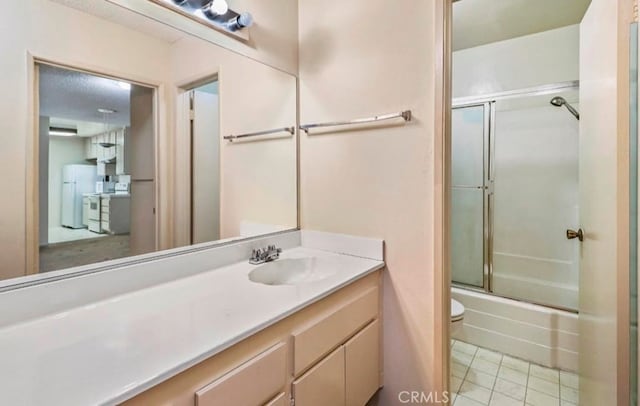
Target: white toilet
x,y
457,316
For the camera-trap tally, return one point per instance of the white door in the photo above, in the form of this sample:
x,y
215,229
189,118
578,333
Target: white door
x,y
599,137
205,171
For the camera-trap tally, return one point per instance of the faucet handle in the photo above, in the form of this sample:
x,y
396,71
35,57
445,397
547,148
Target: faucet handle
x,y
255,254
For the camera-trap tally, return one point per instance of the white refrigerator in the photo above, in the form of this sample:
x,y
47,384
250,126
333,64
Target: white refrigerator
x,y
76,181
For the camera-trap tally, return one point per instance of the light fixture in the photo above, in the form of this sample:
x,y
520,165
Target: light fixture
x,y
241,21
214,12
216,8
62,132
124,85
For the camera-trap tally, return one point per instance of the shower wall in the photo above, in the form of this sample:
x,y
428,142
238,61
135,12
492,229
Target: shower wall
x,y
528,61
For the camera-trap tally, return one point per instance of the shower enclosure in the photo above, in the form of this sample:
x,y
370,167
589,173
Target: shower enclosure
x,y
515,194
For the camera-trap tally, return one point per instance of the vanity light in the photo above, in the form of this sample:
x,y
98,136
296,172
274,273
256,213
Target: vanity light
x,y
216,8
239,22
124,85
215,12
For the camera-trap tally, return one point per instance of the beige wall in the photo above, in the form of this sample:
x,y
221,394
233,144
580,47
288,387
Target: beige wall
x,y
360,58
272,38
258,178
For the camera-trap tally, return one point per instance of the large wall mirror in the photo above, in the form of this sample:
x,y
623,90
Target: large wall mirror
x,y
140,136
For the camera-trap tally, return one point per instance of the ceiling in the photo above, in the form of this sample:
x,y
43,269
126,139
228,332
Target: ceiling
x,y
125,17
480,22
77,96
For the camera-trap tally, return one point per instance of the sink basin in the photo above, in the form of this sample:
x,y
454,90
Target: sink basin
x,y
291,271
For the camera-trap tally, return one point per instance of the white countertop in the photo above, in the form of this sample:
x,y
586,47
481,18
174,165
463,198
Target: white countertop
x,y
109,351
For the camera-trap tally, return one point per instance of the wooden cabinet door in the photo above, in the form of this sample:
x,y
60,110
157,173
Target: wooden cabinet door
x,y
280,400
252,384
362,365
324,384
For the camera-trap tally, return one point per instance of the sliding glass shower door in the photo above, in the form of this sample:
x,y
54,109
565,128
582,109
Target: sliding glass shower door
x,y
470,170
515,194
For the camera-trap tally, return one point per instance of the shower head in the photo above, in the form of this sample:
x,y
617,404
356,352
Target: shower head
x,y
560,101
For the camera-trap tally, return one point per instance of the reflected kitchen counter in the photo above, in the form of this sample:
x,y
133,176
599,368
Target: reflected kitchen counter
x,y
107,351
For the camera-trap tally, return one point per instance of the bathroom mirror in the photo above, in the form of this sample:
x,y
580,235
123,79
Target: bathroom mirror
x,y
141,135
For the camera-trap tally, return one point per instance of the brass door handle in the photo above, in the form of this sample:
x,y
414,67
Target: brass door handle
x,y
572,234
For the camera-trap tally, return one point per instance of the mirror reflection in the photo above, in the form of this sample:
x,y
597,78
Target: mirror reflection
x,y
160,140
96,138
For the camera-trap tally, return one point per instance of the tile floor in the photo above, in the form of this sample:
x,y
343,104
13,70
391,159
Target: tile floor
x,y
484,377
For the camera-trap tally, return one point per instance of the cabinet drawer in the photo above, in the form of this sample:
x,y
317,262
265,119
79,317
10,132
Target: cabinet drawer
x,y
315,341
362,365
104,216
255,382
324,384
105,226
280,400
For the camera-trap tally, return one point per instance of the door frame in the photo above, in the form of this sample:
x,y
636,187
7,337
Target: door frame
x,y
32,212
443,13
627,13
183,145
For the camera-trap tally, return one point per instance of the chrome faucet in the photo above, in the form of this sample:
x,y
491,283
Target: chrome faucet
x,y
260,256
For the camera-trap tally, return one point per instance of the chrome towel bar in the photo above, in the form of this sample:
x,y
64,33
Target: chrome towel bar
x,y
290,130
406,115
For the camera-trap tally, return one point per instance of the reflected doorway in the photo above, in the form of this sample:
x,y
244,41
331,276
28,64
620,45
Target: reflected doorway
x,y
96,168
204,102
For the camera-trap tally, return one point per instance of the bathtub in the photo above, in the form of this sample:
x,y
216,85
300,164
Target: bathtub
x,y
538,334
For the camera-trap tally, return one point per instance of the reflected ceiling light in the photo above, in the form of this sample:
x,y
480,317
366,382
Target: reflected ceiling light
x,y
124,85
63,132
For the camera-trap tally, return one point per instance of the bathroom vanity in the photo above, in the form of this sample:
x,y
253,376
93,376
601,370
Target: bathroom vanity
x,y
205,327
327,353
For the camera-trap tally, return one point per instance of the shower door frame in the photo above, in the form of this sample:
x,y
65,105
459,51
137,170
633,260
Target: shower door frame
x,y
489,101
487,187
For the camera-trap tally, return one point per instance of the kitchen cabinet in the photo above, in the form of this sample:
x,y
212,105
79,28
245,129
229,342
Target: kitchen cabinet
x,y
328,352
94,149
90,149
115,214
